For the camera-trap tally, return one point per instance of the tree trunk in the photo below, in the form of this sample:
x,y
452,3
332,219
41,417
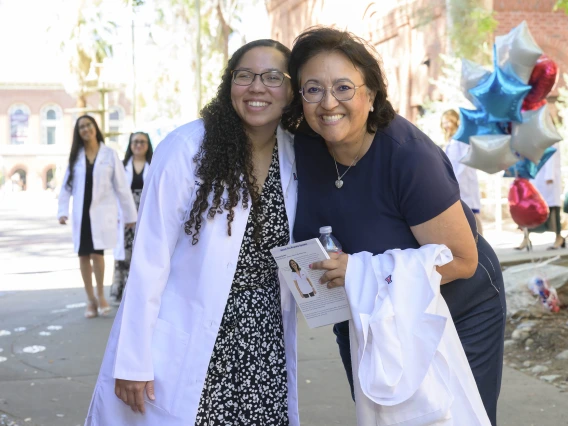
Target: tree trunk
x,y
226,31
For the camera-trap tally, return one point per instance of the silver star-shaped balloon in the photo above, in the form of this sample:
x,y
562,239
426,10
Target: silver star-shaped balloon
x,y
490,153
518,52
471,75
536,133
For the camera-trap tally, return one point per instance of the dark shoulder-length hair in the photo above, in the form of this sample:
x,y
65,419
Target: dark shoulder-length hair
x,y
224,160
79,143
316,40
295,263
128,155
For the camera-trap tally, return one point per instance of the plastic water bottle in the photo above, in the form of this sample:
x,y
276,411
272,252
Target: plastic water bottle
x,y
328,241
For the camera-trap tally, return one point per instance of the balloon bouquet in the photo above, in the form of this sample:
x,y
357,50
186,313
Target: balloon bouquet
x,y
512,128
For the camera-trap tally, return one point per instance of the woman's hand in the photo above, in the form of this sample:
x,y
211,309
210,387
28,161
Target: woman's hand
x,y
63,220
130,225
336,268
132,393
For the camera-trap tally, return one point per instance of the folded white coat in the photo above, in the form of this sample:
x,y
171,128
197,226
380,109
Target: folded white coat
x,y
409,367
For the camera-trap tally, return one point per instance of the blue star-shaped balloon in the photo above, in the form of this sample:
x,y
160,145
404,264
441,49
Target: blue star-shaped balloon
x,y
474,122
526,168
501,95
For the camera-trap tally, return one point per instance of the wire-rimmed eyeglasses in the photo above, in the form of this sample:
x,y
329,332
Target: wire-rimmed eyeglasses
x,y
269,78
342,91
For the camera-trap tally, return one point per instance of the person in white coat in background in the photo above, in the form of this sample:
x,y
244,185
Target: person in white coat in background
x,y
136,165
206,331
548,182
95,179
466,176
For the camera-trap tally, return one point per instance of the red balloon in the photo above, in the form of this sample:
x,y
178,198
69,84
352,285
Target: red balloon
x,y
528,208
532,107
542,80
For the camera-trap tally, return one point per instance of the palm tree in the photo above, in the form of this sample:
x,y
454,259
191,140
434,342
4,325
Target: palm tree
x,y
89,41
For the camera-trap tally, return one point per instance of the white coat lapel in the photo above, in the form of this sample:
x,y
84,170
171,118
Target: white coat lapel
x,y
145,172
128,169
285,157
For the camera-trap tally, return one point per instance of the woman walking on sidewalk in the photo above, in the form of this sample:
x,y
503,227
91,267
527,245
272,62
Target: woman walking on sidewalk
x,y
95,179
136,164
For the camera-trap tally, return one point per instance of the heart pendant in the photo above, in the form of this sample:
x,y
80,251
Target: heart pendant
x,y
338,183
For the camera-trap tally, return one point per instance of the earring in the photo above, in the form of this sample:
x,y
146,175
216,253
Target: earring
x,y
372,108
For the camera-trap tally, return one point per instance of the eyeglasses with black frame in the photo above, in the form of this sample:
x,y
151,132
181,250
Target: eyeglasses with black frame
x,y
268,78
343,91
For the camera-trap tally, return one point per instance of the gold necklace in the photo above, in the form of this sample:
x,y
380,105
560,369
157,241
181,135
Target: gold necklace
x,y
339,181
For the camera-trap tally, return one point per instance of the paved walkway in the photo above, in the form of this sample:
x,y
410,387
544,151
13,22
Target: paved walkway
x,y
41,290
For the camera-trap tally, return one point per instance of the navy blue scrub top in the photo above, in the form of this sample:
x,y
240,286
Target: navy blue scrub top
x,y
403,180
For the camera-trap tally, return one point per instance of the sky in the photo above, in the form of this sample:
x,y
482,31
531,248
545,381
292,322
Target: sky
x,y
29,45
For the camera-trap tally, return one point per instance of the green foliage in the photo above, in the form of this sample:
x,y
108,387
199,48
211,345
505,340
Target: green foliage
x,y
561,5
471,30
88,38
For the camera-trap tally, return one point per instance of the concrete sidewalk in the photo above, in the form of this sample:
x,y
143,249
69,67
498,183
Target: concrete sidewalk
x,y
53,387
505,241
42,303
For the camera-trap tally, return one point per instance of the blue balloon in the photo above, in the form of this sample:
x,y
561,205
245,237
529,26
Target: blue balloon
x,y
526,168
501,95
473,123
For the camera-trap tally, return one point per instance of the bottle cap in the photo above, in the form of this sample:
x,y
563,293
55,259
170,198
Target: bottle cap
x,y
325,230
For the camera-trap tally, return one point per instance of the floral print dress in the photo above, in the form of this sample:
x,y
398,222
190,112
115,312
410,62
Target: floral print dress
x,y
246,382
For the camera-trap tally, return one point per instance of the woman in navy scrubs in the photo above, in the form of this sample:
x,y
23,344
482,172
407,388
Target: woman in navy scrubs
x,y
383,184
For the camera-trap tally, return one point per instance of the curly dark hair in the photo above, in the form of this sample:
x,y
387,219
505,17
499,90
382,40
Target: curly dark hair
x,y
128,155
225,157
316,40
77,144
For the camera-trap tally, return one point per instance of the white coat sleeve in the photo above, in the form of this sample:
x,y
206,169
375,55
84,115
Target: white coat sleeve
x,y
551,166
165,200
460,169
63,198
123,192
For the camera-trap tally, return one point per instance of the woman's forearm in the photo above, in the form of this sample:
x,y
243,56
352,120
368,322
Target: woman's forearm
x,y
457,269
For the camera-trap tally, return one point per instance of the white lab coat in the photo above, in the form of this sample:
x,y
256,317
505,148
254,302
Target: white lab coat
x,y
129,170
409,366
551,192
302,279
466,176
109,185
168,321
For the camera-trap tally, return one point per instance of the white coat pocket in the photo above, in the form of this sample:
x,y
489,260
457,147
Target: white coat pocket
x,y
169,347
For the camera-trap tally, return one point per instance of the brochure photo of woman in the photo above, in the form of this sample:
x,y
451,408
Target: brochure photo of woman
x,y
301,280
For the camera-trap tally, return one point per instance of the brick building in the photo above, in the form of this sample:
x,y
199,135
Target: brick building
x,y
36,131
410,51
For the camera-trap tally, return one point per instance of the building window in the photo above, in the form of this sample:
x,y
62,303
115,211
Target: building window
x,y
19,124
18,179
49,181
51,124
115,118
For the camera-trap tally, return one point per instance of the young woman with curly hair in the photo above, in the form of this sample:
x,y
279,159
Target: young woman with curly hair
x,y
205,334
